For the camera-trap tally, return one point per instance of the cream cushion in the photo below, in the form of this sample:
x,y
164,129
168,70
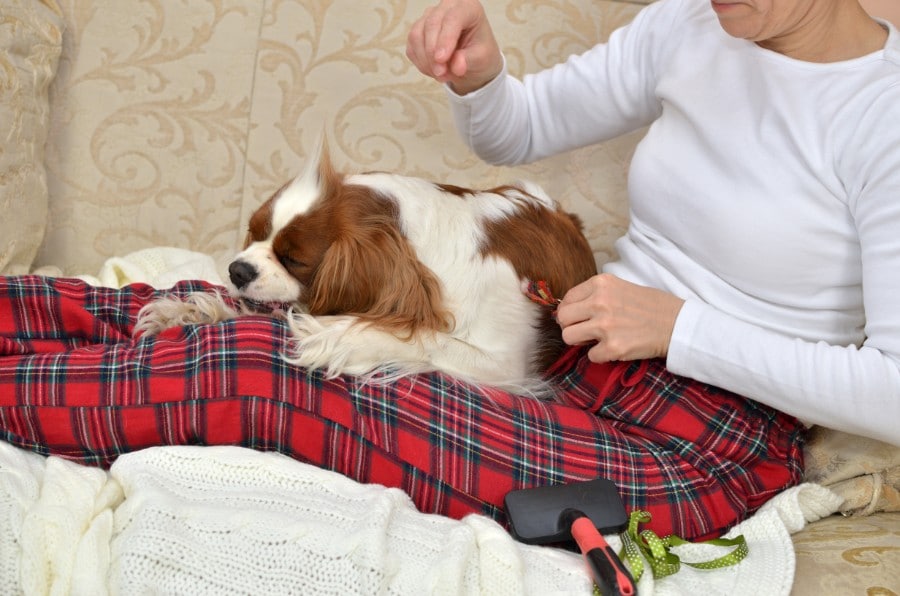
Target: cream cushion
x,y
30,44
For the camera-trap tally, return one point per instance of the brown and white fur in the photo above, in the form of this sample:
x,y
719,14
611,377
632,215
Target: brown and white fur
x,y
392,275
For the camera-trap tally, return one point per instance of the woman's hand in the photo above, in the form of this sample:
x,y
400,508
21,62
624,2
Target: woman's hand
x,y
628,321
453,43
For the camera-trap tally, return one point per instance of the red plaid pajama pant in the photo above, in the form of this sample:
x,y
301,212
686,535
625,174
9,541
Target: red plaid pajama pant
x,y
75,383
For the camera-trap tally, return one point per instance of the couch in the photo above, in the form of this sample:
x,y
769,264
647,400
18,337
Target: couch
x,y
132,124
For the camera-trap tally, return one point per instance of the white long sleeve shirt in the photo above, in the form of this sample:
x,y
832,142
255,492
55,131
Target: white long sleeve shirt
x,y
766,194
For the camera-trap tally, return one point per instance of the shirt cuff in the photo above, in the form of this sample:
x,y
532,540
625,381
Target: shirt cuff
x,y
487,89
678,359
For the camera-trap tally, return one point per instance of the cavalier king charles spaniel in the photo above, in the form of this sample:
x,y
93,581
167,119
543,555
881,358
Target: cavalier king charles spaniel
x,y
387,276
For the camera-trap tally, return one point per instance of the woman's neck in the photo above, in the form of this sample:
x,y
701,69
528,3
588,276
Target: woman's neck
x,y
841,31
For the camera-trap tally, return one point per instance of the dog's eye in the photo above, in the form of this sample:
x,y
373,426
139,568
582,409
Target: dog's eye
x,y
290,263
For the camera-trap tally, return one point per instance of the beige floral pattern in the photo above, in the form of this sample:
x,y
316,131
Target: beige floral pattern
x,y
150,113
865,472
172,121
30,43
843,556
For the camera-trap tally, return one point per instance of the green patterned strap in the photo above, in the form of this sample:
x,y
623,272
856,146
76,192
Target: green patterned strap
x,y
647,546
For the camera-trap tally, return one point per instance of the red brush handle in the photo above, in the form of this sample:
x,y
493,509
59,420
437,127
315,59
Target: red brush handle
x,y
609,573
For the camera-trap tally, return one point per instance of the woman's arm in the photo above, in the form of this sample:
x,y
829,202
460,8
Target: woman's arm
x,y
850,388
856,390
605,92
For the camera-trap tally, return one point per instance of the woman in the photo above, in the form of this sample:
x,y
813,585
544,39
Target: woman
x,y
763,255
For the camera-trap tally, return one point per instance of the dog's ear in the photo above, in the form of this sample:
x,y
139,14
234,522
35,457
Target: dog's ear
x,y
376,276
318,174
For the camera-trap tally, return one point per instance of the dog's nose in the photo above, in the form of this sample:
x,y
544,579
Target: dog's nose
x,y
241,273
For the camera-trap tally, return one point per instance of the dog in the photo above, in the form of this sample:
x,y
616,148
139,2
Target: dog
x,y
387,276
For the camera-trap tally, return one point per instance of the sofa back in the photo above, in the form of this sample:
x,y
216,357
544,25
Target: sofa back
x,y
171,122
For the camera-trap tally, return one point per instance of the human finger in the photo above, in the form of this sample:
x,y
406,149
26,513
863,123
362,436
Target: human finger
x,y
581,291
578,303
571,313
437,27
599,354
415,45
580,333
458,65
447,31
420,43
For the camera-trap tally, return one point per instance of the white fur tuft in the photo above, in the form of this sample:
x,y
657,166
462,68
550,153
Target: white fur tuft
x,y
198,308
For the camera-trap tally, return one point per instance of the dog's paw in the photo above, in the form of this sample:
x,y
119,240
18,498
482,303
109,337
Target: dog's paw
x,y
198,308
318,342
344,345
339,345
305,326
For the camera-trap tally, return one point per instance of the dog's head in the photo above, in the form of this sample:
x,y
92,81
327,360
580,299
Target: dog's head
x,y
336,248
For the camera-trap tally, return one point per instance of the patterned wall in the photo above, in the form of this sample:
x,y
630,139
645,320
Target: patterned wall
x,y
172,120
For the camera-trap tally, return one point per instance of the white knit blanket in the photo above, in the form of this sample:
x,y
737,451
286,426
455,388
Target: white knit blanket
x,y
226,520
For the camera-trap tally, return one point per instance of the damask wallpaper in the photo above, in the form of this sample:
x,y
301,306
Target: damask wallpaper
x,y
172,121
30,44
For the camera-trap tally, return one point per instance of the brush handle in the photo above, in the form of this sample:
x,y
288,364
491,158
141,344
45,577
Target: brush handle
x,y
609,573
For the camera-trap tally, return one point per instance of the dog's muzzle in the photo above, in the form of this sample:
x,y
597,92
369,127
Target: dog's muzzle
x,y
241,274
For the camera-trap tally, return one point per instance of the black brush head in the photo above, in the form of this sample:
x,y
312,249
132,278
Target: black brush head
x,y
544,515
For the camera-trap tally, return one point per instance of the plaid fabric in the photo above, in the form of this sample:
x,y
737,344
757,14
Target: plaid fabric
x,y
74,383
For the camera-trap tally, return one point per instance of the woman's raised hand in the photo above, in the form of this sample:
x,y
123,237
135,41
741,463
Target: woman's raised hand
x,y
453,43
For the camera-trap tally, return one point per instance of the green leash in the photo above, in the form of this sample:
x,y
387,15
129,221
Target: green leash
x,y
647,546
